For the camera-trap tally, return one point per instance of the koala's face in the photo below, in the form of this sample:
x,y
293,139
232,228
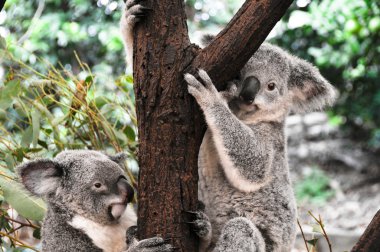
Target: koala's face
x,y
273,82
88,183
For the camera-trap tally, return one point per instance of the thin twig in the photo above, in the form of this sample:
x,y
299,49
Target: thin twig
x,y
303,235
20,243
22,223
320,223
37,15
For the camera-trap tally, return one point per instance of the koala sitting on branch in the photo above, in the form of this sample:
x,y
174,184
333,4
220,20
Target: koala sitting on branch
x,y
87,196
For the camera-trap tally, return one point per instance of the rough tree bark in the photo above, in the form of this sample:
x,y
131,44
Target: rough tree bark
x,y
169,122
370,240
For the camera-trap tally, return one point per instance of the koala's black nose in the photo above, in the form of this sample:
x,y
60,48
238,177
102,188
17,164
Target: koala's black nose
x,y
125,189
251,87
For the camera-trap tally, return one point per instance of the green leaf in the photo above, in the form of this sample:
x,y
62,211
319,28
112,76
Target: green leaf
x,y
19,153
313,241
43,144
130,133
100,101
36,126
9,161
89,79
317,228
120,135
37,233
27,206
10,90
27,137
3,43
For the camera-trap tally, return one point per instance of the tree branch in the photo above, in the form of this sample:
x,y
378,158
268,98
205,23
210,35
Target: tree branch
x,y
170,124
370,240
243,35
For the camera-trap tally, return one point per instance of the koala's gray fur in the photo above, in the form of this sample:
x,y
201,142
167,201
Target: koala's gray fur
x,y
243,169
87,197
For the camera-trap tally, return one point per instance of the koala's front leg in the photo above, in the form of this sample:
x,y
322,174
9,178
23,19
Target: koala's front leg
x,y
133,13
154,244
246,154
240,235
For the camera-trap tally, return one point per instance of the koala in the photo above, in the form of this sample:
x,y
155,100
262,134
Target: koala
x,y
243,168
87,199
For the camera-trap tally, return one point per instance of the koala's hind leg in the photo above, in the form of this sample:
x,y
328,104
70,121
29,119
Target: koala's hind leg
x,y
202,227
240,235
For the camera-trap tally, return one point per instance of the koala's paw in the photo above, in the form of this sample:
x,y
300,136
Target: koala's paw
x,y
201,224
154,244
134,12
204,92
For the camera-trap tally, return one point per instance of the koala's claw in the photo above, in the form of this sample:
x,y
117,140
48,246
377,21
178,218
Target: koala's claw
x,y
134,12
203,91
201,224
130,3
155,244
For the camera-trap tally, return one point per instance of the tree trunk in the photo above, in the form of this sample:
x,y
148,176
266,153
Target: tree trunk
x,y
170,124
370,240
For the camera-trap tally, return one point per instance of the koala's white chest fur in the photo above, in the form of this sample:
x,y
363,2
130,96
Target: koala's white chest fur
x,y
224,202
110,238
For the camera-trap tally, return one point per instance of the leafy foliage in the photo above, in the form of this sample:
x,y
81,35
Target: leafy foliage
x,y
63,26
315,187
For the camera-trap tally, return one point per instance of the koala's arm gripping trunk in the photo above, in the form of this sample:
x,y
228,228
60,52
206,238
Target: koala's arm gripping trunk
x,y
246,160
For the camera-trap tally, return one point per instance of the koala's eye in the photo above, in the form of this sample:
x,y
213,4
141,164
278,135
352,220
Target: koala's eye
x,y
271,86
98,185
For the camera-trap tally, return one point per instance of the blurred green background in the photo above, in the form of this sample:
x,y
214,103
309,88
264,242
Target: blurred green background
x,y
63,82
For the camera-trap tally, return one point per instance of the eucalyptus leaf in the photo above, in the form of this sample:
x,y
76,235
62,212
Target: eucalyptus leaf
x,y
36,116
27,137
313,241
3,43
10,90
9,161
317,228
130,133
26,205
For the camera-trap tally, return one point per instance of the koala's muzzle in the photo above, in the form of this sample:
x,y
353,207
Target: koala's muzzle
x,y
125,189
125,194
251,87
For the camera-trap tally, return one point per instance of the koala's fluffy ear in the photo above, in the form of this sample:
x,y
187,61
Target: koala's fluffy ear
x,y
309,90
41,177
118,158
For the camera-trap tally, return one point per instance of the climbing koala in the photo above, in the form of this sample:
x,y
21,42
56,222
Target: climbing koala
x,y
87,199
243,169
